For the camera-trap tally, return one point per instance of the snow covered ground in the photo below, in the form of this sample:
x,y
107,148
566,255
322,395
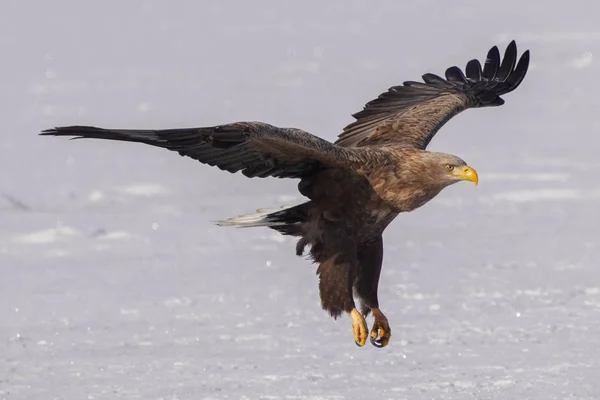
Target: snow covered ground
x,y
116,284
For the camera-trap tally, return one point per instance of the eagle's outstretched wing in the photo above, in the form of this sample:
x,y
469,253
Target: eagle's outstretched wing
x,y
411,114
255,148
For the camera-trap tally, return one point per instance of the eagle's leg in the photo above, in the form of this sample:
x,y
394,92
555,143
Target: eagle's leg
x,y
370,257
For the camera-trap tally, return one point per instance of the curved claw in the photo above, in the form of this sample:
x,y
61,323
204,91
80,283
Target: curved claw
x,y
380,337
377,342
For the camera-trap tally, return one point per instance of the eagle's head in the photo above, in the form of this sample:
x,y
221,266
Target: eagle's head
x,y
448,169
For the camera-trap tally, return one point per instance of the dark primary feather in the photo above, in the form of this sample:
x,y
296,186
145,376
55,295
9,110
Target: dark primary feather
x,y
254,148
412,113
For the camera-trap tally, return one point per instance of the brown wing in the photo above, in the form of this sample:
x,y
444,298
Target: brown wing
x,y
257,149
411,114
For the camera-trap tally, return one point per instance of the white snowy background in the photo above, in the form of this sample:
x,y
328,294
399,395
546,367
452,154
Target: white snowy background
x,y
114,282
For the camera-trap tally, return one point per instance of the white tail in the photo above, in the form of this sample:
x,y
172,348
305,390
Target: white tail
x,y
253,220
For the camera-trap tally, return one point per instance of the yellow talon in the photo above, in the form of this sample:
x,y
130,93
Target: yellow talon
x,y
359,327
381,332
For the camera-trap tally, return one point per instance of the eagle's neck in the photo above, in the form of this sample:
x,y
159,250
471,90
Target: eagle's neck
x,y
406,185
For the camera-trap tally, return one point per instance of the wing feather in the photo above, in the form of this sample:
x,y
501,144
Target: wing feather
x,y
508,63
473,71
492,62
412,113
254,148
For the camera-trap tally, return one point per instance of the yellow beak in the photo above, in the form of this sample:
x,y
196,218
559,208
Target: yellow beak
x,y
467,173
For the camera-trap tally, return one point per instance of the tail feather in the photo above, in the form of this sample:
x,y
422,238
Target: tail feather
x,y
260,218
286,220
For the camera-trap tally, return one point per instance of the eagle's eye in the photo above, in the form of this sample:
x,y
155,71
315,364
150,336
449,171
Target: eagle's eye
x,y
449,167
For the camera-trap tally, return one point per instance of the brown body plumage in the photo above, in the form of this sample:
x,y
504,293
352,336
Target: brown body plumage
x,y
378,168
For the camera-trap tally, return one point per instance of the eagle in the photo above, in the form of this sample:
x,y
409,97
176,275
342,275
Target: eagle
x,y
378,167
